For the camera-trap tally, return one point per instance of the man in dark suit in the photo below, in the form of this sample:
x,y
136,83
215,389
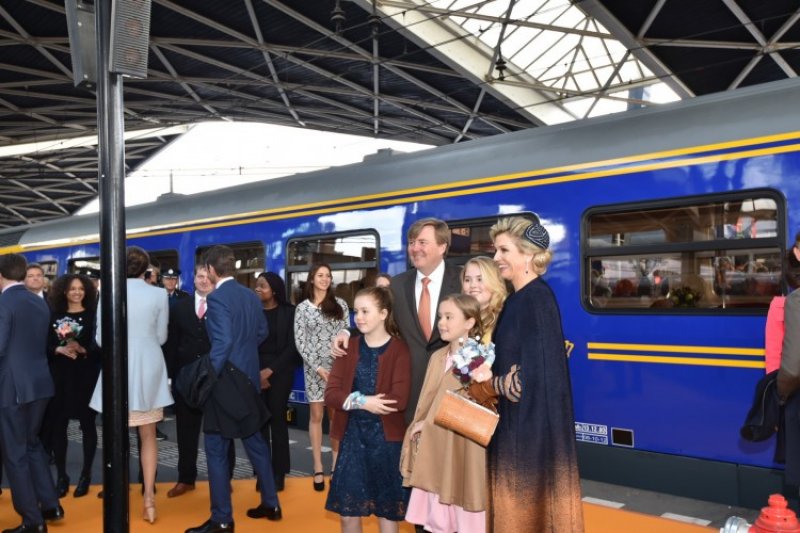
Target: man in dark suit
x,y
236,326
25,388
169,278
186,342
414,310
35,280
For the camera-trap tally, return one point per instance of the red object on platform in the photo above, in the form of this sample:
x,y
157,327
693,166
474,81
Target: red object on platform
x,y
776,517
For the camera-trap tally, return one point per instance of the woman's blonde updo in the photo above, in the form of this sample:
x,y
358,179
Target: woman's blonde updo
x,y
515,227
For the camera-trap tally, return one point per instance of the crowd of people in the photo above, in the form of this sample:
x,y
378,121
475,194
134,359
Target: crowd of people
x,y
379,383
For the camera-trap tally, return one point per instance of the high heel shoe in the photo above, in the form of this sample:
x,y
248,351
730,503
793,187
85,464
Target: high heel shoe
x,y
319,486
62,486
149,511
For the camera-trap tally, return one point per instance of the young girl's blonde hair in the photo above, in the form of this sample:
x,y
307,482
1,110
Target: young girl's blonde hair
x,y
490,276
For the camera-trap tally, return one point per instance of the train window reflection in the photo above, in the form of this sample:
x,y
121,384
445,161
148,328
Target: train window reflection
x,y
745,218
50,269
707,253
470,238
353,258
250,260
83,263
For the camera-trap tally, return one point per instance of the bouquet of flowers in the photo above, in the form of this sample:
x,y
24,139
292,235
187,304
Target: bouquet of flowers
x,y
470,357
67,329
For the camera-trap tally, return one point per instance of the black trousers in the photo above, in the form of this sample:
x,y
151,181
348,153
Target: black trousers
x,y
276,431
188,423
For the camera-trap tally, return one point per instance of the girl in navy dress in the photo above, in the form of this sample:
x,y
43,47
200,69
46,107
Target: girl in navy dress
x,y
369,389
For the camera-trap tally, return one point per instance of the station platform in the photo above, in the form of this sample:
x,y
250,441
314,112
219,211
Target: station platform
x,y
303,511
608,508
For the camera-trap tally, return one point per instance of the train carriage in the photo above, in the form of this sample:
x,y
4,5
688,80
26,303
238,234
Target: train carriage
x,y
668,226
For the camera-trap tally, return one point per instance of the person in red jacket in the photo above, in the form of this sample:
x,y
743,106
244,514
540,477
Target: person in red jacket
x,y
369,389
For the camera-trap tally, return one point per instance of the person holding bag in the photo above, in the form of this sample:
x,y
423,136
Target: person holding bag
x,y
447,471
533,466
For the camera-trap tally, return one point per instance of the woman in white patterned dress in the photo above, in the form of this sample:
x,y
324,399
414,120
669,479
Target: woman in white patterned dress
x,y
317,320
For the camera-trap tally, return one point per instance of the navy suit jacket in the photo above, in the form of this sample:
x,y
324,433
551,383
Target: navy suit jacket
x,y
24,322
236,325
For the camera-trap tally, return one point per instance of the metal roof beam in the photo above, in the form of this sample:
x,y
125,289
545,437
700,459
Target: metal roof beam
x,y
268,60
316,69
463,13
455,47
31,41
766,46
164,61
352,46
281,50
595,9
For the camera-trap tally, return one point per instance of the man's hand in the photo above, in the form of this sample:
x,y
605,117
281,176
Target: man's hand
x,y
339,344
378,405
264,376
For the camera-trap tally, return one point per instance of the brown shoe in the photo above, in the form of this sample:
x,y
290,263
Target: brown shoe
x,y
179,489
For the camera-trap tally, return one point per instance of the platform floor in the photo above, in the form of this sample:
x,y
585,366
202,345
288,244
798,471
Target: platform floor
x,y
303,511
605,505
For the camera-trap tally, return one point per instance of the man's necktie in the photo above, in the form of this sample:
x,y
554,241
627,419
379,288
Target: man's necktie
x,y
201,310
424,310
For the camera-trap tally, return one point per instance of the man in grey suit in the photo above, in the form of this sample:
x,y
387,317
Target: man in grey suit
x,y
414,311
25,388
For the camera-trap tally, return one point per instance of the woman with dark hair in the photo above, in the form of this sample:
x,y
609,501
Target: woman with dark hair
x,y
75,365
277,360
318,318
148,389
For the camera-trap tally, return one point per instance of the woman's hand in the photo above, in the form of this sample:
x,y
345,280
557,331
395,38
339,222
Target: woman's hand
x,y
67,351
416,429
482,373
378,405
264,376
339,344
323,373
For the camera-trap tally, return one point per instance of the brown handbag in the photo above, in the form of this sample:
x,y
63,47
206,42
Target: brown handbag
x,y
466,418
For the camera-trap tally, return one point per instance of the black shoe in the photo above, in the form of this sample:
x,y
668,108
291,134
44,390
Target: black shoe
x,y
319,486
51,515
62,486
160,435
279,483
82,488
270,513
212,527
22,528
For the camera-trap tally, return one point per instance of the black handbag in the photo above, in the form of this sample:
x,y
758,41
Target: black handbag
x,y
196,380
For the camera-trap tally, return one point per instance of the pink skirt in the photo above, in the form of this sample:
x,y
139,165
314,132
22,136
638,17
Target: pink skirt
x,y
425,509
142,418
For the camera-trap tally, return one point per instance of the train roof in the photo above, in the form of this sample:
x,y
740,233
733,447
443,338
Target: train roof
x,y
745,113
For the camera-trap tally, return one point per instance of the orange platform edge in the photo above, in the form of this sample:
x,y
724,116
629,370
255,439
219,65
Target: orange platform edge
x,y
303,511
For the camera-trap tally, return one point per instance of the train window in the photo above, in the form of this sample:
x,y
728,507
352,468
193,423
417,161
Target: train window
x,y
720,252
250,260
82,263
50,269
470,238
353,258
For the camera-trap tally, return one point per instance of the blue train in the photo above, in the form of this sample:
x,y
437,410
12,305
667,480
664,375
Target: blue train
x,y
668,227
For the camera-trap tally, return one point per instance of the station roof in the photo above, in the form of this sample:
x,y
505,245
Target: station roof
x,y
429,71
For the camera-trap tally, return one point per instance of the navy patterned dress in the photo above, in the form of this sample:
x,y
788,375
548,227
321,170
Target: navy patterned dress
x,y
367,479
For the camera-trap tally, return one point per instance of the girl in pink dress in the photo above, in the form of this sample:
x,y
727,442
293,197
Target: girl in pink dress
x,y
447,472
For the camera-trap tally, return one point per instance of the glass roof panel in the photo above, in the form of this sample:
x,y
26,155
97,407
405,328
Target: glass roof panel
x,y
555,48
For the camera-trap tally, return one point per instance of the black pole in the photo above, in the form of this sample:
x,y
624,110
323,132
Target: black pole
x,y
113,294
